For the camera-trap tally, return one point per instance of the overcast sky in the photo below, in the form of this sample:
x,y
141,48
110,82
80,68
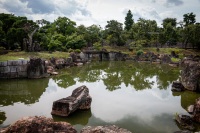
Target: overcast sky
x,y
98,12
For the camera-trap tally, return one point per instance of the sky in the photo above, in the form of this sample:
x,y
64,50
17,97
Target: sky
x,y
88,12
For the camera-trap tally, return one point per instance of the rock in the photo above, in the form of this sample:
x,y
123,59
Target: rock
x,y
184,131
80,99
60,63
177,86
54,73
36,68
165,59
190,75
73,56
190,109
185,122
79,64
50,69
174,64
104,129
196,112
39,124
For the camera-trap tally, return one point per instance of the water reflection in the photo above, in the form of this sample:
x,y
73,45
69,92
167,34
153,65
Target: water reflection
x,y
78,117
24,91
131,95
2,117
187,98
113,74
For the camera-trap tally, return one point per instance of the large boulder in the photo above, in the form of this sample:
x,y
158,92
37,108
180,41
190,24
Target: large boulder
x,y
104,129
190,75
177,86
196,111
185,122
165,59
80,99
37,68
38,124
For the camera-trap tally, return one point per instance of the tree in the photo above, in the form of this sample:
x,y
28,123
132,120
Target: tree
x,y
169,31
114,31
128,20
30,27
172,21
189,18
65,26
75,41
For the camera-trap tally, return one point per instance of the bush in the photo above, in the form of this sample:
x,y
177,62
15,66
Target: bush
x,y
139,52
77,50
70,50
97,46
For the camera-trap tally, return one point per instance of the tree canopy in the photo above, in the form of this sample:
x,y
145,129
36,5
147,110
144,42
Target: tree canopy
x,y
17,32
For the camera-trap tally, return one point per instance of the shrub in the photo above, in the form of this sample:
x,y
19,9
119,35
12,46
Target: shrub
x,y
97,46
77,50
139,52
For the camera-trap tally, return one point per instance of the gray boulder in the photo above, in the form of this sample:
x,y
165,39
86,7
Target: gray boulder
x,y
38,124
104,129
190,75
80,99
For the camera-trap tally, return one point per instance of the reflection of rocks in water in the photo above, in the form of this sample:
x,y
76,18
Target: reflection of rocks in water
x,y
184,122
2,117
78,117
25,91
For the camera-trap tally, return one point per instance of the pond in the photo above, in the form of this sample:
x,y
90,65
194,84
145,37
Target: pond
x,y
134,96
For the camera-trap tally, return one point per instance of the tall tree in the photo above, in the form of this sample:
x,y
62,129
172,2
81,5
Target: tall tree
x,y
189,18
172,21
169,31
65,26
114,31
128,20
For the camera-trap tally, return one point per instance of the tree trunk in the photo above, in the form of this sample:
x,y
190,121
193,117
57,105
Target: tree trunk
x,y
30,37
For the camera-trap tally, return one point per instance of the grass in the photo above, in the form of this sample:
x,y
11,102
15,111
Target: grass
x,y
125,50
27,55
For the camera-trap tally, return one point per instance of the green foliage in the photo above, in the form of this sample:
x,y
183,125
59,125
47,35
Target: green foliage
x,y
75,41
128,20
64,25
175,59
139,52
114,31
189,18
97,46
55,45
77,50
70,50
171,21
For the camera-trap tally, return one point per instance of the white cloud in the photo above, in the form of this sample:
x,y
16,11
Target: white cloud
x,y
98,12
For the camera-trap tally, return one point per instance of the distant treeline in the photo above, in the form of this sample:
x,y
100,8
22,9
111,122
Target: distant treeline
x,y
17,32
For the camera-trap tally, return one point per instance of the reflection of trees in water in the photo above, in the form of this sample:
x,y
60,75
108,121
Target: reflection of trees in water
x,y
64,80
27,91
2,117
187,98
113,74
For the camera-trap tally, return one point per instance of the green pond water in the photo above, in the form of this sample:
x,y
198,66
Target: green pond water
x,y
134,96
